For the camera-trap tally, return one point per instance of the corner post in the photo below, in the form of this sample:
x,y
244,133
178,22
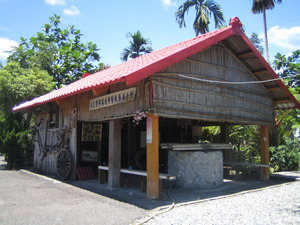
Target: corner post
x,y
152,156
264,152
114,156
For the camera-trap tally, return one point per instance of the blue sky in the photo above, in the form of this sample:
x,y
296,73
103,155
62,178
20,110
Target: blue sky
x,y
106,23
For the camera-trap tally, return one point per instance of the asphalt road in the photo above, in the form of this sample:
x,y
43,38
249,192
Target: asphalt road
x,y
27,198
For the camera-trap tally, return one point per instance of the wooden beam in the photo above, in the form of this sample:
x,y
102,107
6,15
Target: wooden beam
x,y
264,152
245,55
62,101
114,156
260,72
100,90
273,88
282,100
152,157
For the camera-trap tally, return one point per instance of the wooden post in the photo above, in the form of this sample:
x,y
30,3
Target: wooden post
x,y
225,140
114,156
152,157
225,133
131,149
264,152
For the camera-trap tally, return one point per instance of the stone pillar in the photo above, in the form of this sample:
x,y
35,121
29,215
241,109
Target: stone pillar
x,y
264,152
114,155
152,157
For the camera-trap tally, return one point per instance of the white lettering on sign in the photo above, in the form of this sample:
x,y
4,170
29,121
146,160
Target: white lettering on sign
x,y
113,99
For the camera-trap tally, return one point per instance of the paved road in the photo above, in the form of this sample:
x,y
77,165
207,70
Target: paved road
x,y
30,199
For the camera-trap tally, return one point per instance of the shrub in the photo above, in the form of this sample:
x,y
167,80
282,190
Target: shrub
x,y
286,157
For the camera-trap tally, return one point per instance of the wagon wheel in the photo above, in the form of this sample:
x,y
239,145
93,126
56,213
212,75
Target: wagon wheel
x,y
64,164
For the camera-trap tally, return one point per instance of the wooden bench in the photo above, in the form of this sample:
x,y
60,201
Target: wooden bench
x,y
140,173
242,167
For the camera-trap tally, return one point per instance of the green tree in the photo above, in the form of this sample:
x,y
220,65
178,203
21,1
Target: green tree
x,y
257,42
58,51
284,150
245,139
288,121
289,67
138,46
204,9
16,86
260,6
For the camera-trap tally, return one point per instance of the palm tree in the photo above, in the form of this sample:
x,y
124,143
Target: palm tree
x,y
138,46
204,9
260,6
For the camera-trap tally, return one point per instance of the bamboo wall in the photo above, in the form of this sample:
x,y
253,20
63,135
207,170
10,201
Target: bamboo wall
x,y
179,97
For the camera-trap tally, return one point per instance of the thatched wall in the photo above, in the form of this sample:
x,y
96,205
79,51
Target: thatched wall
x,y
179,97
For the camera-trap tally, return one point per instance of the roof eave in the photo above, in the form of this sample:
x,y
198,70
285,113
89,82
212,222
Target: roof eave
x,y
24,105
269,68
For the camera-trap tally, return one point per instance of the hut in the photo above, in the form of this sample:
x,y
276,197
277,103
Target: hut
x,y
142,117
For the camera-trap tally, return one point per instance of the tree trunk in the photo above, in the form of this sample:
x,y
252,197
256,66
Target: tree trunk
x,y
266,35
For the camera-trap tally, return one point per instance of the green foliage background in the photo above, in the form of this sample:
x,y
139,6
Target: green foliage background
x,y
50,59
16,86
58,51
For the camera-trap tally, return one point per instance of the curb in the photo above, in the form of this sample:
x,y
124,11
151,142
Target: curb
x,y
285,177
40,176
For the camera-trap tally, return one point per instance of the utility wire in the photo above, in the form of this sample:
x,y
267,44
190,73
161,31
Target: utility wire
x,y
238,82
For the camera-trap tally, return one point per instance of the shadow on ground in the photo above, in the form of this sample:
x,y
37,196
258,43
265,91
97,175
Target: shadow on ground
x,y
170,192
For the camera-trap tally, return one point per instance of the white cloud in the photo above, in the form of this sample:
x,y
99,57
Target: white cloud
x,y
55,2
2,28
287,39
73,11
6,46
168,3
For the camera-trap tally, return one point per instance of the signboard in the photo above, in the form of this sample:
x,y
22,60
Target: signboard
x,y
91,132
113,99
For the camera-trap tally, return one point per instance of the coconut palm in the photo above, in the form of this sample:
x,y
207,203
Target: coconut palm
x,y
260,6
138,46
204,9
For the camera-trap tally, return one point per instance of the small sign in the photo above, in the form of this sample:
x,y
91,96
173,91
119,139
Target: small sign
x,y
113,99
89,156
149,130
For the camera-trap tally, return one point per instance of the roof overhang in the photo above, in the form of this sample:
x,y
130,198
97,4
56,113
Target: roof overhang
x,y
144,66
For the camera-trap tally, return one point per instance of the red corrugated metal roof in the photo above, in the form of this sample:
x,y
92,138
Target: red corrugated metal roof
x,y
139,68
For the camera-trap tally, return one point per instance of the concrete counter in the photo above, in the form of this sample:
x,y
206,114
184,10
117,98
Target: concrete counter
x,y
196,165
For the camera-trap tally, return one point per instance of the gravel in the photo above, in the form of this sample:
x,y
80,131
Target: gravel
x,y
273,205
